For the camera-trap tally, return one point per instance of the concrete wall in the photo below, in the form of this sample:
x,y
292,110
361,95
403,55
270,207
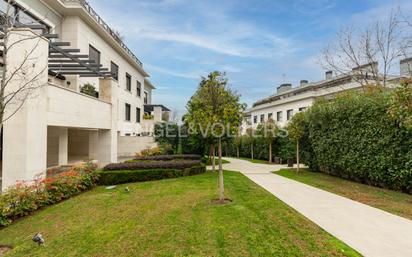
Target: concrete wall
x,y
72,109
82,35
128,146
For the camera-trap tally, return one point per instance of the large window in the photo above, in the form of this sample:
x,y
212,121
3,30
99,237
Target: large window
x,y
145,98
302,109
114,68
127,112
94,54
262,118
279,116
128,82
138,115
255,119
139,89
289,114
270,115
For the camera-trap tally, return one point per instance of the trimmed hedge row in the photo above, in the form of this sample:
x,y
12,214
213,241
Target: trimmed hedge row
x,y
354,137
169,157
114,177
179,165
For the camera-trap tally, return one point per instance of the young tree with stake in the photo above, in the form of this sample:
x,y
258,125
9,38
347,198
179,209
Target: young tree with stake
x,y
215,112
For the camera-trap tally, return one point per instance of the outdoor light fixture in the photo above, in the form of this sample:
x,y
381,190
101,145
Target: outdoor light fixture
x,y
38,238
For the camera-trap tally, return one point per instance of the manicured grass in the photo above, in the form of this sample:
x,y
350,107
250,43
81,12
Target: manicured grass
x,y
173,217
253,160
209,162
391,201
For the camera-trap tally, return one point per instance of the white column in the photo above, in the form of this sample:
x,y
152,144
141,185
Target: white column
x,y
93,144
107,139
25,133
63,146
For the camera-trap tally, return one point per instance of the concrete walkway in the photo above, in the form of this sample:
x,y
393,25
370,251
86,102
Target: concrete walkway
x,y
370,231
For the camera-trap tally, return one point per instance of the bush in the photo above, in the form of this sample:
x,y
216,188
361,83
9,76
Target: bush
x,y
149,152
169,157
354,137
129,176
181,164
24,198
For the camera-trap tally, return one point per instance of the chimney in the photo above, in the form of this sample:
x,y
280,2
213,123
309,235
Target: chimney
x,y
328,74
283,88
303,82
406,67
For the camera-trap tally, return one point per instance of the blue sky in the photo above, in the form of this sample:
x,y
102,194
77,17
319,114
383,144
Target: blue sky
x,y
259,43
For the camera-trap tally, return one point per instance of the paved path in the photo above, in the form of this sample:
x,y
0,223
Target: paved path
x,y
370,231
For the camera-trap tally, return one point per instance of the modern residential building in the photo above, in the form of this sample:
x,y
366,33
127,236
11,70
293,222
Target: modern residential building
x,y
290,100
58,124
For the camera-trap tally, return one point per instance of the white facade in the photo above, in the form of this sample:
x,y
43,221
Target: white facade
x,y
59,125
288,101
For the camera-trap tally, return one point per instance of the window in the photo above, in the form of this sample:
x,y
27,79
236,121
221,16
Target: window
x,y
289,114
128,82
94,54
127,112
114,70
262,118
301,109
255,119
279,116
145,98
139,89
138,115
270,116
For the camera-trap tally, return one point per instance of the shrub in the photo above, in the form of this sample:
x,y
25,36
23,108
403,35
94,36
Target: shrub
x,y
169,157
24,198
129,176
89,89
149,152
354,137
181,164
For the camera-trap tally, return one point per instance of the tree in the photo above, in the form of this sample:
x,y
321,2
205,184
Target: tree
x,y
214,111
296,132
357,52
268,130
238,140
251,140
14,95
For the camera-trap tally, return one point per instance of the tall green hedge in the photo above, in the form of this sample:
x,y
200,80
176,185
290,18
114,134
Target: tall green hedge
x,y
354,137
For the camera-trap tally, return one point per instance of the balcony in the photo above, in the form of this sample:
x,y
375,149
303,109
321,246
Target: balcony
x,y
114,34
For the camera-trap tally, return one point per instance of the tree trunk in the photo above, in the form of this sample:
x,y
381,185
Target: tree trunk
x,y
221,183
213,158
297,155
251,151
270,152
237,151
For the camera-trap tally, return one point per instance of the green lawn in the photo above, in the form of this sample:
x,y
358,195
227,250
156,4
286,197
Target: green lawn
x,y
391,201
253,160
209,162
173,217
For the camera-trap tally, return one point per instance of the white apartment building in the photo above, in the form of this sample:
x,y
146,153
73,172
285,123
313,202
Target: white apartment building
x,y
290,100
58,124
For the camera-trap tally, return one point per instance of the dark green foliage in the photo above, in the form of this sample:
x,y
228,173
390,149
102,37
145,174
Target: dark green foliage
x,y
90,90
354,137
167,135
168,157
128,176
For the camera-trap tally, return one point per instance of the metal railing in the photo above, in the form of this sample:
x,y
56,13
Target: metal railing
x,y
106,27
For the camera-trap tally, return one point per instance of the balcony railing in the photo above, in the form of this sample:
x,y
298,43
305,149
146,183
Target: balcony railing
x,y
106,27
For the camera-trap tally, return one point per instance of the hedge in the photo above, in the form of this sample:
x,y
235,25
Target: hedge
x,y
182,164
169,157
128,176
355,138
